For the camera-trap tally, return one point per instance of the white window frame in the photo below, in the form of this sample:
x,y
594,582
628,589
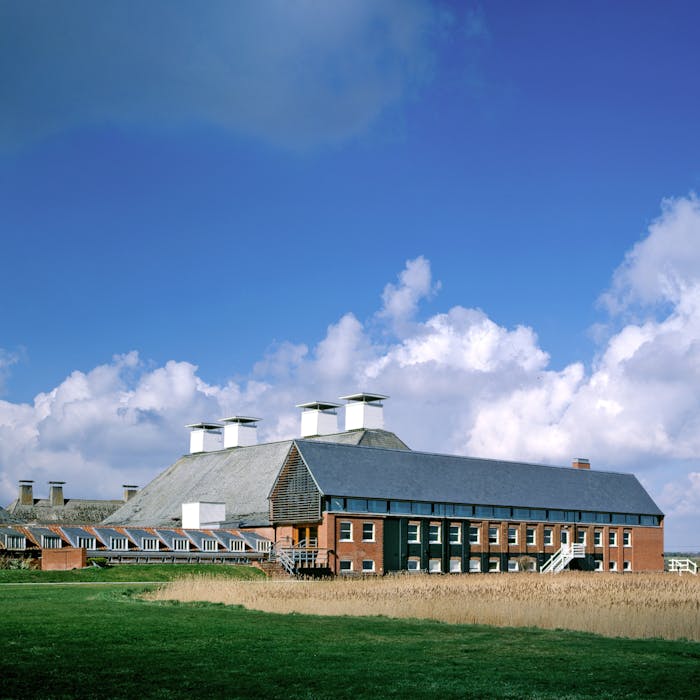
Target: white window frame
x,y
597,538
474,534
180,544
475,565
494,566
150,544
612,538
263,545
436,530
493,540
86,542
513,536
612,565
345,566
627,538
345,525
434,566
416,537
564,536
458,528
455,566
627,565
236,545
15,542
548,537
413,564
365,568
531,536
118,544
599,565
209,545
364,537
51,542
581,537
513,565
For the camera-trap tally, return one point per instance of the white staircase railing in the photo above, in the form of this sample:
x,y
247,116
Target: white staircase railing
x,y
304,554
563,557
683,565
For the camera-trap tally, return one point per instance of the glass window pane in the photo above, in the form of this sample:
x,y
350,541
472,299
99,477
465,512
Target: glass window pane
x,y
464,511
376,506
337,503
522,513
359,505
420,508
400,506
483,511
500,512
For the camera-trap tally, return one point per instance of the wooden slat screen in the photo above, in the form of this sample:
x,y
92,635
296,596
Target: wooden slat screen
x,y
295,498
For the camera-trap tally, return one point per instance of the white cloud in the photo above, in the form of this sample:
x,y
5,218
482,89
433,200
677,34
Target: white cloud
x,y
292,74
461,383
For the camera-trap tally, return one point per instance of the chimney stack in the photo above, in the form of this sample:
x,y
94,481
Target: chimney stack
x,y
56,493
364,410
318,418
26,492
205,437
240,431
130,490
580,463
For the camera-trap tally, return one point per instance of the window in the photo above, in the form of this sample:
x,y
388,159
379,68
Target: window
x,y
581,537
493,535
598,564
501,512
627,538
86,542
345,531
263,546
357,504
483,511
513,565
521,513
612,565
512,535
435,566
548,536
150,544
455,566
337,503
368,533
434,534
118,543
474,534
455,534
376,506
494,565
421,508
368,565
236,545
15,542
564,537
598,538
474,566
413,533
414,564
180,545
51,542
209,546
345,566
612,538
531,536
400,506
627,566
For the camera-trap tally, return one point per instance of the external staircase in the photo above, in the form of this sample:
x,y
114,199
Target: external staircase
x,y
683,565
563,557
302,559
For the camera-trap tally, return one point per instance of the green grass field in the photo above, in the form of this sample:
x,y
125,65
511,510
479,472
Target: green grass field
x,y
102,641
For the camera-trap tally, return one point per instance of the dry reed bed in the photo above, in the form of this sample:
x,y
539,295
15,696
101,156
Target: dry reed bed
x,y
637,605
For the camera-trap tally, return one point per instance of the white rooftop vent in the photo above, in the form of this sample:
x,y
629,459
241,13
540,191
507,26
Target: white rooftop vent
x,y
240,431
205,437
318,418
203,514
364,410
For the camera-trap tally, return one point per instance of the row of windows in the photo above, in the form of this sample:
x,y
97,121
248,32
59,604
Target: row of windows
x,y
494,565
346,532
374,505
149,544
346,566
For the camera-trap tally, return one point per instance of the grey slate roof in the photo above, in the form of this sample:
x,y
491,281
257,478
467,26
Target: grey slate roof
x,y
241,477
340,470
75,511
6,517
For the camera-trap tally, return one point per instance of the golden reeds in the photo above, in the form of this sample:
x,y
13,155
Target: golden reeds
x,y
633,605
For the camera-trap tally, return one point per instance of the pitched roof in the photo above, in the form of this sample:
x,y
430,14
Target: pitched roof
x,y
77,511
241,477
6,517
341,470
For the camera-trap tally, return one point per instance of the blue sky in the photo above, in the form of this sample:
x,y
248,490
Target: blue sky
x,y
265,203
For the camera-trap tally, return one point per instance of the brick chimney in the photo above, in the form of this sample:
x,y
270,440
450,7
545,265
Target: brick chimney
x,y
26,492
56,493
130,490
580,463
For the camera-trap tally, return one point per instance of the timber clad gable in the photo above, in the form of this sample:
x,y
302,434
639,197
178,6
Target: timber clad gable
x,y
295,496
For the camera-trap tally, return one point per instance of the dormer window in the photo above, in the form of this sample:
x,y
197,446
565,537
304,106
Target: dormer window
x,y
51,542
119,544
209,546
150,544
86,543
181,545
236,545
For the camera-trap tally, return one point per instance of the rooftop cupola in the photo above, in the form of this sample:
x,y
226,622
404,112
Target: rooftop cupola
x,y
240,431
318,418
130,490
56,493
205,437
364,410
26,492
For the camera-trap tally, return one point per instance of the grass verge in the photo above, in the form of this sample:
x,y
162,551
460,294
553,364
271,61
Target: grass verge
x,y
83,642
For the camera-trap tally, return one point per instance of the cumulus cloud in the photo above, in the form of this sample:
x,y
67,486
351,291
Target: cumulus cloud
x,y
461,383
292,74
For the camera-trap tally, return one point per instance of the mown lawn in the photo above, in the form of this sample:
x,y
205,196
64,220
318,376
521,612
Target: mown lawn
x,y
131,572
90,642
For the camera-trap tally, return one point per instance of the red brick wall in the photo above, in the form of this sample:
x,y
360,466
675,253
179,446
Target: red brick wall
x,y
63,559
357,551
